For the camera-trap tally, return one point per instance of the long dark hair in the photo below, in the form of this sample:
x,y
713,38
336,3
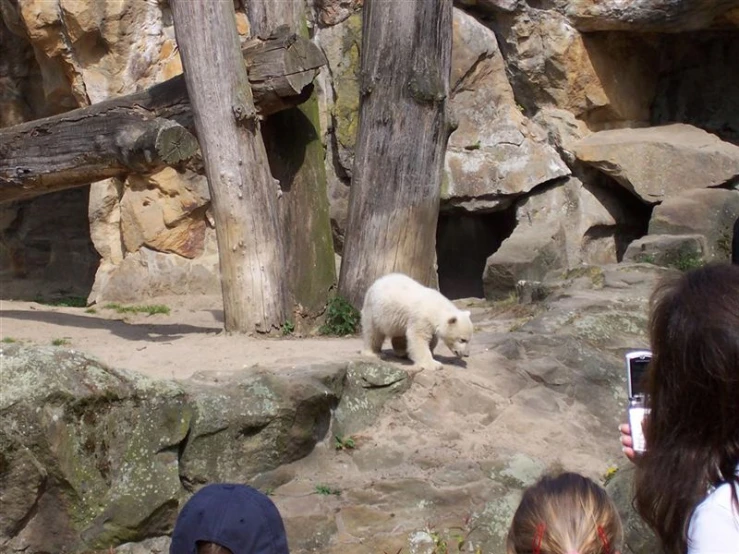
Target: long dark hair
x,y
692,433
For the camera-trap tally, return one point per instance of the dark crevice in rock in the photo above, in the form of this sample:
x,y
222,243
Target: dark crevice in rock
x,y
33,510
47,252
374,386
464,242
250,430
471,71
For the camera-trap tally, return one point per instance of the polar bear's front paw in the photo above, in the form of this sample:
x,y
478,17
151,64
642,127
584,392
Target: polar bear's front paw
x,y
430,364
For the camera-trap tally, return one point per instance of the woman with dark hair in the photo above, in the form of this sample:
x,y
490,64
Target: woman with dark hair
x,y
687,481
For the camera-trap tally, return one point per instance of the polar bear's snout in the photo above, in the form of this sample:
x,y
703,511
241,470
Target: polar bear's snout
x,y
461,349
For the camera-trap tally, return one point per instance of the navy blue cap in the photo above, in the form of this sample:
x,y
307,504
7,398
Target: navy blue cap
x,y
237,517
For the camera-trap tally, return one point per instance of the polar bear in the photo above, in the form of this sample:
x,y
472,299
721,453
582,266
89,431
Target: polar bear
x,y
415,318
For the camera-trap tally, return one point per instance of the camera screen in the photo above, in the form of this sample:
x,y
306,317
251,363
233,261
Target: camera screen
x,y
638,368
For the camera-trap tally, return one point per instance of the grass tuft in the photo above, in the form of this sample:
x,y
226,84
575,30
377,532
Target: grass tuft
x,y
65,302
150,309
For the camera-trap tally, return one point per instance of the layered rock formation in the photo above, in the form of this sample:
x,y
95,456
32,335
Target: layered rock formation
x,y
541,92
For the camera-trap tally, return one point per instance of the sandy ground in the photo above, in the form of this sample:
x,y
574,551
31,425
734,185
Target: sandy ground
x,y
188,340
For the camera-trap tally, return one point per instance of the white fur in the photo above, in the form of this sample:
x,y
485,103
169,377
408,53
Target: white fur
x,y
415,318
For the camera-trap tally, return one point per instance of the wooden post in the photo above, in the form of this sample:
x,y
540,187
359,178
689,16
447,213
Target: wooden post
x,y
243,193
297,158
399,154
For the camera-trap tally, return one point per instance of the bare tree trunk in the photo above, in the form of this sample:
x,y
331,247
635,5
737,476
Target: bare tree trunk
x,y
243,192
403,131
296,154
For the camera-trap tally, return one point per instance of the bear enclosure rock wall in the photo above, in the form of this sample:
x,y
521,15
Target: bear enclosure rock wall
x,y
92,456
575,119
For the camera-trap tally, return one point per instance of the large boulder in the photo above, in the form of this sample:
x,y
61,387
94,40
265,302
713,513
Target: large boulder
x,y
603,305
658,162
495,154
147,273
678,251
603,79
528,254
368,386
165,212
251,422
649,15
710,213
90,453
558,227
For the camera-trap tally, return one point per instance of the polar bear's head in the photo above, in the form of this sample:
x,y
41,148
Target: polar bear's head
x,y
456,333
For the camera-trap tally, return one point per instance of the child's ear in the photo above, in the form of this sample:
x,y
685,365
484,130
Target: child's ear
x,y
452,320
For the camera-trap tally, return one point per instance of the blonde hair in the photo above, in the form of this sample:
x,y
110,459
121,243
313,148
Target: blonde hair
x,y
563,514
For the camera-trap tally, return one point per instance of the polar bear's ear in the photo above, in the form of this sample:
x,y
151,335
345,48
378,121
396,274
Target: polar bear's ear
x,y
467,313
452,320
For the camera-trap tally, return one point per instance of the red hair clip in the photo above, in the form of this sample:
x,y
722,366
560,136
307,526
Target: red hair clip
x,y
538,538
604,540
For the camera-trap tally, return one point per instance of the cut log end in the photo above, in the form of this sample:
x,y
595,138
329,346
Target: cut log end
x,y
175,144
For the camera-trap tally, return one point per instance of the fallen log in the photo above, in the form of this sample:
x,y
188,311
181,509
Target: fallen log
x,y
144,131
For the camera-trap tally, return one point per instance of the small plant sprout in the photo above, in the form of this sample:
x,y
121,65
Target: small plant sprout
x,y
344,443
341,318
60,342
609,474
325,490
9,340
287,328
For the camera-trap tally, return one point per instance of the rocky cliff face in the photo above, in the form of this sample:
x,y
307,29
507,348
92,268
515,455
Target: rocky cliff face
x,y
577,122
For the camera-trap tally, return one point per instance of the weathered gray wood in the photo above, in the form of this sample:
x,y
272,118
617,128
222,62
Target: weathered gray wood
x,y
399,154
293,141
243,192
115,137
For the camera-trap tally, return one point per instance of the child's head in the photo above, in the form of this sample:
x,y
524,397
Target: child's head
x,y
565,514
229,519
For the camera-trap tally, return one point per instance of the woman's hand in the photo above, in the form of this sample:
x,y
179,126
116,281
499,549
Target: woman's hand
x,y
627,442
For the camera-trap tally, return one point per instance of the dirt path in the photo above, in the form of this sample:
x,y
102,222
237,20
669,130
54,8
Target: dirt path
x,y
188,340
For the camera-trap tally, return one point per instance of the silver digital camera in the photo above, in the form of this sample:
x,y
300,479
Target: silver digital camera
x,y
637,363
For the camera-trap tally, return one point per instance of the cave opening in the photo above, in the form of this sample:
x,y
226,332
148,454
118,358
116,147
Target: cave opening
x,y
464,242
46,252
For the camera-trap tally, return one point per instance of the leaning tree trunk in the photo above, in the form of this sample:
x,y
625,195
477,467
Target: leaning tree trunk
x,y
403,131
296,154
243,192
